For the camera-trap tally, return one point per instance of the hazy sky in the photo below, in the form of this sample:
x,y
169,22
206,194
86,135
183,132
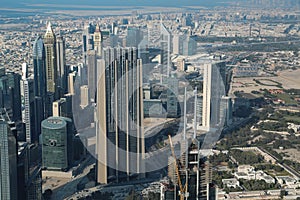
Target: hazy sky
x,y
20,3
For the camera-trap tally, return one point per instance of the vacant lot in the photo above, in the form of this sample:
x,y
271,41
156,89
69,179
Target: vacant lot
x,y
288,79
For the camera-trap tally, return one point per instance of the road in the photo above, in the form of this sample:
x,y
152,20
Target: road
x,y
71,187
285,166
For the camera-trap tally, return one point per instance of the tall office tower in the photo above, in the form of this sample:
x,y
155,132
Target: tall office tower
x,y
8,159
98,41
58,107
61,65
51,68
143,50
87,41
226,110
113,26
177,44
134,37
63,107
92,73
10,93
71,81
172,93
189,46
29,175
28,100
165,45
120,145
57,148
84,96
39,65
15,96
213,90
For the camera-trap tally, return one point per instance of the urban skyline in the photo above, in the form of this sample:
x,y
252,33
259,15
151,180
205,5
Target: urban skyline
x,y
150,103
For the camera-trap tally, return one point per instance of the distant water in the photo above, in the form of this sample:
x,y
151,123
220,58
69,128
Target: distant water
x,y
162,3
24,5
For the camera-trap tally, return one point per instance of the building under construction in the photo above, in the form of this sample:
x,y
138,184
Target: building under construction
x,y
191,174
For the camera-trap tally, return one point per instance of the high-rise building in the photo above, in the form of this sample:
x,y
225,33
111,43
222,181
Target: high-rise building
x,y
226,108
28,106
172,94
71,81
10,98
58,107
51,68
57,148
61,65
63,107
120,142
51,60
29,175
8,159
165,48
92,73
98,41
134,37
189,47
213,90
177,44
184,45
84,96
14,94
143,50
39,65
88,41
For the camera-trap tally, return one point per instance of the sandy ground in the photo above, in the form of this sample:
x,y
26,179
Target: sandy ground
x,y
293,153
288,79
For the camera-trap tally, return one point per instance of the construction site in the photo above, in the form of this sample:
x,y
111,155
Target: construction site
x,y
190,174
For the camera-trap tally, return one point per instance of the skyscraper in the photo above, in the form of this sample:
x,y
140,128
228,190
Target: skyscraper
x,y
165,48
98,41
39,64
10,93
92,73
28,118
51,68
134,37
120,138
14,94
29,174
88,41
51,60
8,159
213,90
143,50
71,80
172,93
61,65
84,96
57,138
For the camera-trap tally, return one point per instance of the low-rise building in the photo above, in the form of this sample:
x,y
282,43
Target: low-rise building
x,y
231,183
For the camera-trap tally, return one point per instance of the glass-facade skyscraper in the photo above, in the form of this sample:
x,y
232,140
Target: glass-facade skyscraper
x,y
120,137
8,159
51,69
39,64
57,138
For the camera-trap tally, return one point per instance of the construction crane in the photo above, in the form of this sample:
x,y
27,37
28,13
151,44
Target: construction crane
x,y
182,190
